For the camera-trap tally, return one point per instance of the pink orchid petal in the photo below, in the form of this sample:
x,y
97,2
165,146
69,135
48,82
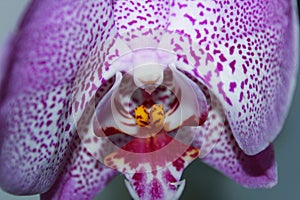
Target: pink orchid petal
x,y
34,140
249,63
220,150
136,14
82,177
37,128
227,157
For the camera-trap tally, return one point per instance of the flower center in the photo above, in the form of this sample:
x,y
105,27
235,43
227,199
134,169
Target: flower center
x,y
140,122
151,118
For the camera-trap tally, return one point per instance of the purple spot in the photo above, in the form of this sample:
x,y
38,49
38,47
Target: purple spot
x,y
209,58
132,22
179,164
198,34
200,5
222,58
49,123
196,58
139,183
141,18
221,91
183,57
207,78
232,86
67,127
156,190
105,23
241,97
216,51
177,47
219,68
169,178
204,22
232,65
231,50
182,5
193,20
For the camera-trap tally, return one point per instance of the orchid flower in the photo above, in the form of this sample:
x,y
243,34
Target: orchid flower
x,y
93,88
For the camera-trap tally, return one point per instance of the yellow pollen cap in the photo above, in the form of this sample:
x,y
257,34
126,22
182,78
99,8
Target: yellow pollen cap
x,y
155,116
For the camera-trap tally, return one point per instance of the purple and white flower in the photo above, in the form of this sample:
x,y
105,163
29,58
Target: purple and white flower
x,y
94,88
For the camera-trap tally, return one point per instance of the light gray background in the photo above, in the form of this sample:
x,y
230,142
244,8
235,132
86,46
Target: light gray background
x,y
202,181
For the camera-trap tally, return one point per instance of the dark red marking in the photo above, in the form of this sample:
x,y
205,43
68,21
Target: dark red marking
x,y
158,151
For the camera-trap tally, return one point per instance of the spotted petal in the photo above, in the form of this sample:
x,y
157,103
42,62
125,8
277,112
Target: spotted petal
x,y
251,61
82,177
245,52
255,171
220,150
36,124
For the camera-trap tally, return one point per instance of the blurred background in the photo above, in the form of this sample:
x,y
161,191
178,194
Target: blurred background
x,y
202,181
